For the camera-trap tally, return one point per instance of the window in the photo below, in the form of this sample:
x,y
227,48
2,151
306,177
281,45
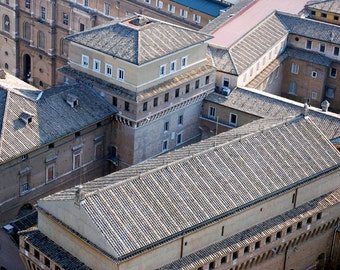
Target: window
x,y
98,150
85,61
28,3
81,27
155,102
50,172
173,66
278,235
314,74
211,265
233,119
336,51
179,138
312,12
27,31
318,216
314,95
336,18
184,62
197,84
41,40
246,249
64,47
235,255
145,106
114,101
166,126
7,24
322,48
257,245
36,254
47,262
76,159
183,13
165,145
212,112
162,70
24,187
171,8
323,15
223,260
196,18
180,120
187,88
268,239
127,106
299,225
332,73
43,13
292,88
226,82
27,246
289,230
65,18
295,68
108,70
159,3
207,79
309,220
107,9
166,97
308,44
177,93
96,65
120,74
86,3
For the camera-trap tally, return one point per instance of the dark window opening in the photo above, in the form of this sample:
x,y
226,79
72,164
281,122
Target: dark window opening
x,y
51,146
166,97
299,225
36,254
318,216
268,239
257,245
187,88
114,101
77,134
223,260
127,106
246,249
177,92
235,255
145,106
197,84
278,235
289,230
309,220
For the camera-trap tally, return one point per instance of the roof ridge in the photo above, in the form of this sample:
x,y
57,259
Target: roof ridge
x,y
2,126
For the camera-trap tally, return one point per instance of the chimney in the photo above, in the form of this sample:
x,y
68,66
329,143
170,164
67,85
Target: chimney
x,y
305,111
325,105
2,74
79,196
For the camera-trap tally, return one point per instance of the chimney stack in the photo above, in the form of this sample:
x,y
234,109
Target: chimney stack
x,y
325,105
2,74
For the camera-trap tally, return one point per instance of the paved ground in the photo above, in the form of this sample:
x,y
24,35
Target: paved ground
x,y
9,253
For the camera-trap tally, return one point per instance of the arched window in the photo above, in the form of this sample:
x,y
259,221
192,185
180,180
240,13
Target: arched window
x,y
7,23
41,40
27,31
64,47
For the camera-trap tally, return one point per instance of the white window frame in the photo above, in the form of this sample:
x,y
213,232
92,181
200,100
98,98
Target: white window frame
x,y
183,13
173,66
159,3
86,3
165,145
107,9
85,61
295,68
184,61
108,70
314,95
322,45
311,44
162,70
75,155
231,115
212,112
196,18
53,172
171,8
314,74
43,13
120,74
96,65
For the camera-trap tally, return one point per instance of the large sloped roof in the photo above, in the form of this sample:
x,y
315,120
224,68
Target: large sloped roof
x,y
139,39
181,195
325,5
52,117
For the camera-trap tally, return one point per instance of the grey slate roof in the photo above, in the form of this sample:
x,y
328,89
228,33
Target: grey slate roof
x,y
52,117
221,59
184,194
270,106
325,5
139,44
309,56
310,28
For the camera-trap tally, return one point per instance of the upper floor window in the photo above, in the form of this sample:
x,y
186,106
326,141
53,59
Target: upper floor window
x,y
336,51
166,97
108,70
120,74
43,13
308,44
207,79
159,3
177,92
336,17
292,88
162,70
196,18
155,102
147,1
322,48
173,66
81,27
127,106
165,145
77,159
65,18
323,15
330,92
107,9
86,3
332,73
184,61
183,13
50,172
171,8
233,119
212,112
85,61
145,106
180,120
27,31
28,3
7,23
295,68
197,84
41,40
96,65
64,47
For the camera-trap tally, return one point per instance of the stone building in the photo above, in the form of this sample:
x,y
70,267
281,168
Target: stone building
x,y
50,140
325,11
156,74
266,199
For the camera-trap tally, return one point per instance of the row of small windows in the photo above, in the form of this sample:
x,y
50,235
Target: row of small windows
x,y
172,9
322,47
257,245
295,70
325,15
108,70
232,121
173,66
37,255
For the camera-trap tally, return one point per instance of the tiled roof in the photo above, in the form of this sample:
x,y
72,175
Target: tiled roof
x,y
309,56
271,106
222,60
50,249
310,28
325,5
141,43
209,7
52,117
181,195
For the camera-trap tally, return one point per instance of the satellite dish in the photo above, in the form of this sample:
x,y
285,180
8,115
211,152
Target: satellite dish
x,y
39,95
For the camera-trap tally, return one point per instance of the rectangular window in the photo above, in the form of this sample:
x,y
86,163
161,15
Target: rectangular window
x,y
162,70
166,97
145,106
292,88
166,126
332,73
76,160
179,138
107,9
108,70
330,92
197,84
212,112
98,150
226,82
50,172
81,27
114,101
184,61
159,3
336,18
207,79
85,61
312,12
173,66
233,119
295,68
308,44
43,13
96,65
177,93
196,18
183,13
322,48
314,74
336,51
28,3
24,187
180,120
127,106
86,3
65,18
165,145
155,102
171,8
187,88
120,74
314,95
323,15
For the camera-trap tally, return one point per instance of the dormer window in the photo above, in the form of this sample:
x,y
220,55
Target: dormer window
x,y
72,100
26,117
